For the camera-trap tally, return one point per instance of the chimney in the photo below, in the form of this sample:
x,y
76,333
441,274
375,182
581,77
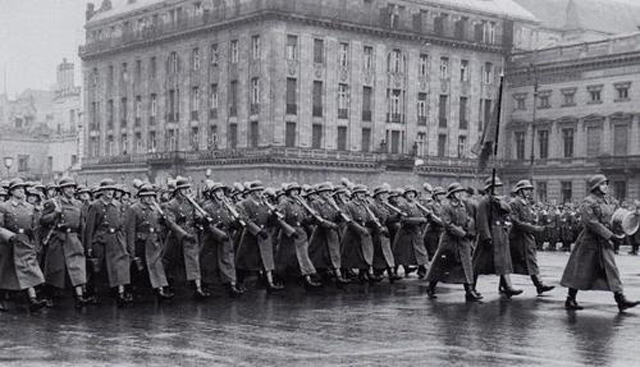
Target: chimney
x,y
91,9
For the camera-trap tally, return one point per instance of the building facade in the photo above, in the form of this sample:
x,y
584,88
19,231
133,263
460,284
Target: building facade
x,y
585,118
178,86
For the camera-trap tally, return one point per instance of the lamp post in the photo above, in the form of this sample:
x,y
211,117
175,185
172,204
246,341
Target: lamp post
x,y
533,72
8,163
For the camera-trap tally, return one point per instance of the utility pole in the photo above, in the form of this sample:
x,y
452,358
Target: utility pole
x,y
533,72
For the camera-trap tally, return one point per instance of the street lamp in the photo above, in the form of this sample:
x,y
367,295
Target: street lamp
x,y
8,163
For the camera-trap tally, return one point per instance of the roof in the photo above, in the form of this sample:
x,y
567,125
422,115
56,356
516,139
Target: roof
x,y
119,7
605,16
503,8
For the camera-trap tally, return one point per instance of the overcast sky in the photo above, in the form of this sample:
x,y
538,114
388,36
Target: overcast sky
x,y
35,35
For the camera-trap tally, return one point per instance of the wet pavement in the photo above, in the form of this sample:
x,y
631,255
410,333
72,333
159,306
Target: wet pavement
x,y
362,325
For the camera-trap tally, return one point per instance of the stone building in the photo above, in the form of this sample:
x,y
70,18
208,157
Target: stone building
x,y
586,117
280,89
67,105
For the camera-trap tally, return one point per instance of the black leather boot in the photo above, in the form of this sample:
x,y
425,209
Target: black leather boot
x,y
200,294
540,286
163,295
431,290
36,304
624,303
310,283
571,304
234,291
393,275
470,295
422,272
81,301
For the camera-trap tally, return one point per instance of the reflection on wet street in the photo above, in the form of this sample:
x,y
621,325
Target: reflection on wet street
x,y
361,325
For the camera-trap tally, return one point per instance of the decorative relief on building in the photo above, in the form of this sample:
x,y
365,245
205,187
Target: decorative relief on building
x,y
292,67
368,78
318,70
343,74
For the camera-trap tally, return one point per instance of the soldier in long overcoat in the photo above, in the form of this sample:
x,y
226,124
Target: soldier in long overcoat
x,y
382,252
522,236
408,245
592,264
144,230
65,253
452,262
293,251
106,243
434,228
324,244
182,251
493,255
19,268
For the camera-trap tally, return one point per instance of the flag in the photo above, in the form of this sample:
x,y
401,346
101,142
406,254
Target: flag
x,y
484,147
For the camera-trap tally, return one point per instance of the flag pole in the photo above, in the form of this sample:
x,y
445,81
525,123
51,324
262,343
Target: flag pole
x,y
495,142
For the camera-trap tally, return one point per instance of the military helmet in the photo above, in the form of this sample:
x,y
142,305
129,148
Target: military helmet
x,y
453,188
597,180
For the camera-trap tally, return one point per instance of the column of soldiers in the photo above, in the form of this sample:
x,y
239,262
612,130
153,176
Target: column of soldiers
x,y
67,236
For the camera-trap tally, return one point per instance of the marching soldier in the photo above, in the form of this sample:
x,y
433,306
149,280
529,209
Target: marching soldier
x,y
19,269
452,262
408,246
106,244
65,254
293,252
182,247
492,255
434,228
382,252
592,264
144,229
522,236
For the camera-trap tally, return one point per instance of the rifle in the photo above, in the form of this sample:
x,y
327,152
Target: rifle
x,y
323,222
335,206
429,213
375,219
288,230
47,238
253,228
217,233
394,209
181,233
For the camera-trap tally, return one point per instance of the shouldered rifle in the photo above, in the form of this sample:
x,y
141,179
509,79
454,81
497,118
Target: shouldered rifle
x,y
216,232
394,209
335,206
429,213
288,229
253,228
321,221
375,219
47,237
179,231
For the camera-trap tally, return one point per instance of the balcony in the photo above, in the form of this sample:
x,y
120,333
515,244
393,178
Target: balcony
x,y
292,109
422,120
395,118
343,113
317,111
367,115
246,11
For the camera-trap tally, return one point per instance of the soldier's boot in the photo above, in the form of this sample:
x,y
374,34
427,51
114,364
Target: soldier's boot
x,y
506,288
566,247
393,275
634,250
272,286
540,286
552,246
122,298
80,300
371,276
163,295
474,285
309,283
234,291
199,293
431,290
470,295
571,304
340,280
409,269
35,303
623,302
422,271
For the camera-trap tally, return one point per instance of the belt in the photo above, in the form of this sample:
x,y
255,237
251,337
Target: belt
x,y
65,230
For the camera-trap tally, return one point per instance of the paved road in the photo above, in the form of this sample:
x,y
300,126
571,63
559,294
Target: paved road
x,y
379,325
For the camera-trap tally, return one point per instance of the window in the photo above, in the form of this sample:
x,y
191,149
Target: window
x,y
174,63
124,76
422,109
368,58
487,75
343,60
292,96
478,32
110,77
462,146
367,104
194,139
622,90
444,68
421,144
233,52
620,139
395,61
541,189
594,134
461,28
124,144
290,134
94,77
292,47
138,111
254,134
212,137
316,136
464,71
543,144
110,114
520,101
343,101
395,108
138,146
442,110
152,143
620,190
255,96
342,138
94,146
173,105
442,145
595,94
317,99
153,67
213,101
423,70
567,138
318,51
366,140
23,163
153,109
567,191
255,47
519,137
440,24
123,111
195,59
543,101
233,136
233,98
171,142
490,37
195,103
568,97
464,122
215,56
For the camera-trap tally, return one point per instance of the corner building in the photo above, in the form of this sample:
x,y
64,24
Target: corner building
x,y
280,89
